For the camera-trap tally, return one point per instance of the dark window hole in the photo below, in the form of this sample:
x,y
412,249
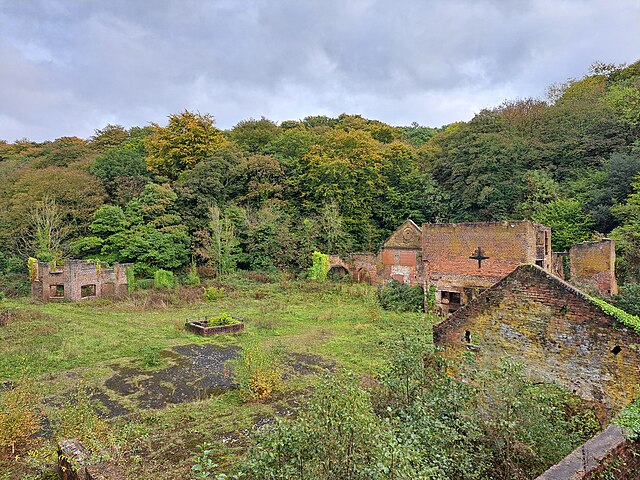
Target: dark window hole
x,y
616,350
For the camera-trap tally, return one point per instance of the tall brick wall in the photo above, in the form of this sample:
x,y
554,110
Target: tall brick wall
x,y
593,266
447,249
558,334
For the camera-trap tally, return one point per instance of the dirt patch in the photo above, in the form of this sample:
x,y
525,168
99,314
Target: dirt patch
x,y
197,372
308,364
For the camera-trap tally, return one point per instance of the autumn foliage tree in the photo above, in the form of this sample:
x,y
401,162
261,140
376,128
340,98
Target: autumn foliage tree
x,y
187,139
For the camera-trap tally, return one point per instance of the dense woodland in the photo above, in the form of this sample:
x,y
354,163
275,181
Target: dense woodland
x,y
264,196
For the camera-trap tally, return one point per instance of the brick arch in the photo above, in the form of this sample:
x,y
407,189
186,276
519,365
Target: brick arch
x,y
336,263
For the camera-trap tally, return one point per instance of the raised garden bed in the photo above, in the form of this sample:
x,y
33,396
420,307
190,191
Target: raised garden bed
x,y
215,325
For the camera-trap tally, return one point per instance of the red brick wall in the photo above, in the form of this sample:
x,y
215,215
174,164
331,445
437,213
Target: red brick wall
x,y
447,248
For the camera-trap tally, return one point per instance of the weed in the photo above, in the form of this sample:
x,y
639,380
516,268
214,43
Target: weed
x,y
19,417
213,294
258,372
150,357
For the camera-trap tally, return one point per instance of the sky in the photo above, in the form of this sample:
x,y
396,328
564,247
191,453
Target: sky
x,y
69,67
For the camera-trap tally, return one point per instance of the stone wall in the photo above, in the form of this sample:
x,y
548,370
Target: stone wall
x,y
74,463
606,456
550,326
78,280
593,266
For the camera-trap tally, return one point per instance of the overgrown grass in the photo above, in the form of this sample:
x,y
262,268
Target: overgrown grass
x,y
58,344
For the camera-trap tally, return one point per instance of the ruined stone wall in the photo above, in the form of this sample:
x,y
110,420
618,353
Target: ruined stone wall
x,y
447,248
606,456
78,280
559,335
593,266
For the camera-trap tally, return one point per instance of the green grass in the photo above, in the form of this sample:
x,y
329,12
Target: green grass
x,y
56,345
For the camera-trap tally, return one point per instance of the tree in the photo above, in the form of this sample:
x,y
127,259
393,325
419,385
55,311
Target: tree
x,y
45,231
187,139
224,246
108,137
254,136
568,221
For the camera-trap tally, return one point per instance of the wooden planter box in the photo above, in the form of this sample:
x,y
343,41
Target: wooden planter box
x,y
201,327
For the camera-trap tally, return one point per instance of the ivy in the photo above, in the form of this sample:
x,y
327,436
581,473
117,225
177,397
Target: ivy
x,y
629,419
31,264
623,317
320,268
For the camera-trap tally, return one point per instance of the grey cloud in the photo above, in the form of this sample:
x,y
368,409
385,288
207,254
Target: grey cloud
x,y
69,67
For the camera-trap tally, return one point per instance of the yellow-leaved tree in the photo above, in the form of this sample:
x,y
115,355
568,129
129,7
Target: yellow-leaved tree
x,y
187,139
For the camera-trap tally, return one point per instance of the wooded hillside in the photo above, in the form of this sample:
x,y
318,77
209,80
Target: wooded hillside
x,y
264,196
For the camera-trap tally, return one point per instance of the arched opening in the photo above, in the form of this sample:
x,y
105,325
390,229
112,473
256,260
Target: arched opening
x,y
338,272
363,276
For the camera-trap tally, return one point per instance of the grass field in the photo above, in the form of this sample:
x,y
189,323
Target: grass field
x,y
56,346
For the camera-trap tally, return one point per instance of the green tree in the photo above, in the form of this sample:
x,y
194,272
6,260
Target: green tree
x,y
224,245
568,221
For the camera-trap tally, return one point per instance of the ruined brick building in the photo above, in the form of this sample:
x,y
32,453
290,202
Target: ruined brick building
x,y
77,280
462,259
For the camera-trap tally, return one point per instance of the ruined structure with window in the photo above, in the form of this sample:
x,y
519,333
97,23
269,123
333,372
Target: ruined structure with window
x,y
78,280
463,259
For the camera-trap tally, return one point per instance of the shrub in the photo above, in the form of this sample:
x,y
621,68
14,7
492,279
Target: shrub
x,y
150,356
257,372
213,294
163,279
192,279
318,271
337,437
222,319
131,278
19,417
401,298
629,298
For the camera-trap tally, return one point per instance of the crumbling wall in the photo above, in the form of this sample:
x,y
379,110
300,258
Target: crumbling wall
x,y
593,266
560,336
606,456
78,280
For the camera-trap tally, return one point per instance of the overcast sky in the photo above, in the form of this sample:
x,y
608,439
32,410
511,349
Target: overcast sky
x,y
68,67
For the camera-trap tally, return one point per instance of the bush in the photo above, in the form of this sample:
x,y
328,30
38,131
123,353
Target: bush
x,y
629,298
337,437
222,319
163,279
150,356
19,417
192,279
401,298
213,294
131,278
318,271
257,372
